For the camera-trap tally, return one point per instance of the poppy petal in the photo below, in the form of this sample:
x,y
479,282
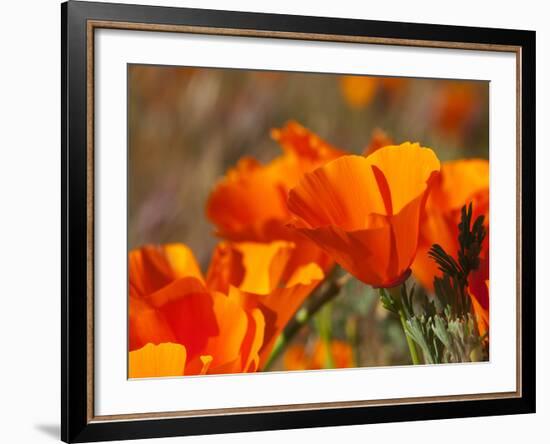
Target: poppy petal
x,y
264,265
232,324
146,325
152,266
153,361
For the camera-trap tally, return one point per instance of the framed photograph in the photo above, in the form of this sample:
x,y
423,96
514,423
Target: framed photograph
x,y
275,221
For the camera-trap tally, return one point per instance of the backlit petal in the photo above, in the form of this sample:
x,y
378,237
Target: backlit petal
x,y
342,193
408,169
153,361
226,268
264,265
232,323
153,266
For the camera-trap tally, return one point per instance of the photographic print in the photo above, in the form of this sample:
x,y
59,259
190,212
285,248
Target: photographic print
x,y
274,221
282,221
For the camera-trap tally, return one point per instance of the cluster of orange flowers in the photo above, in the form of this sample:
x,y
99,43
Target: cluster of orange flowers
x,y
284,225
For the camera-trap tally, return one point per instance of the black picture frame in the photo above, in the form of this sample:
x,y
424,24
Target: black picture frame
x,y
76,326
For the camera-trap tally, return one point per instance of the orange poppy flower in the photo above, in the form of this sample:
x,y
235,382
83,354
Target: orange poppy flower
x,y
360,91
365,211
460,182
456,104
249,203
170,303
152,271
260,283
225,323
298,357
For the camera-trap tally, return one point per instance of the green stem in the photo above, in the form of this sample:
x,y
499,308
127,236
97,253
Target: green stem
x,y
326,292
395,293
410,342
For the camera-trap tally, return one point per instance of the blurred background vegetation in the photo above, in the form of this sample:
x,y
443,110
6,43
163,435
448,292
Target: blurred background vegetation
x,y
187,126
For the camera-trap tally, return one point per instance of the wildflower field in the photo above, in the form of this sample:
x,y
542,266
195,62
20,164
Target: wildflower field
x,y
285,221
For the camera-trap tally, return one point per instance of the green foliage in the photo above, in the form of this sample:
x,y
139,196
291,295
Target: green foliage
x,y
450,288
388,302
444,328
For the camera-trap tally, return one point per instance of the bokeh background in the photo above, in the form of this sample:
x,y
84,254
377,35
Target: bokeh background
x,y
187,126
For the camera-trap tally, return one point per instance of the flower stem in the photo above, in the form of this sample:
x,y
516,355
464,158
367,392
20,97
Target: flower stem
x,y
328,290
395,293
410,342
